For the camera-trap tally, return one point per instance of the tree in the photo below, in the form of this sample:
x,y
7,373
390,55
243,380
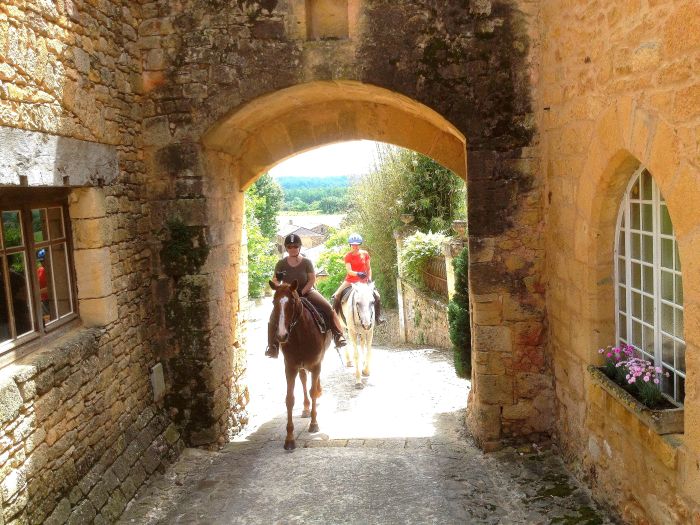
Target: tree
x,y
263,201
458,316
331,260
267,203
402,182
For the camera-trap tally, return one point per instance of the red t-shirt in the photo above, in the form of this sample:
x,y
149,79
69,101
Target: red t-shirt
x,y
359,262
41,274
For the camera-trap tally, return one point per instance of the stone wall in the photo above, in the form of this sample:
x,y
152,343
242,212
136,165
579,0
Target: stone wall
x,y
80,429
425,317
619,88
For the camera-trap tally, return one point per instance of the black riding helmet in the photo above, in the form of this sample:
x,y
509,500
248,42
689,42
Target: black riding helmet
x,y
292,240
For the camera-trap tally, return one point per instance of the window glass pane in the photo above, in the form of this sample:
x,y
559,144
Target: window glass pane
x,y
634,216
667,253
666,285
679,290
45,279
636,275
19,291
622,298
648,311
637,305
39,229
648,279
667,350
678,322
636,334
648,347
646,185
621,240
12,228
667,382
667,318
647,218
56,223
61,279
5,330
636,251
634,191
680,356
622,326
680,390
677,257
666,227
621,274
648,248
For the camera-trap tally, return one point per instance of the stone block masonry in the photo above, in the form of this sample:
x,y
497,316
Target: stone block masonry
x,y
78,435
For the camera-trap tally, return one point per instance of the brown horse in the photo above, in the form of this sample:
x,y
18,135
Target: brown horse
x,y
303,346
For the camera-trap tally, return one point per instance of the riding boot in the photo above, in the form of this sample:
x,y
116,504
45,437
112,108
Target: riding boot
x,y
273,347
339,339
273,350
378,312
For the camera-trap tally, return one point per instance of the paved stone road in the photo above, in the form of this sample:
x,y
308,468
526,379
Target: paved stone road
x,y
394,451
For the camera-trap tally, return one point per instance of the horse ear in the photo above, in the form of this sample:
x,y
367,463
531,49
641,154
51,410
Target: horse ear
x,y
294,285
272,285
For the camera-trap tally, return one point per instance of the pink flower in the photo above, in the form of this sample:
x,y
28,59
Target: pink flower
x,y
656,380
608,354
646,379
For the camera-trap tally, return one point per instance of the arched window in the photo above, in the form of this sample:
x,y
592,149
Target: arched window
x,y
648,283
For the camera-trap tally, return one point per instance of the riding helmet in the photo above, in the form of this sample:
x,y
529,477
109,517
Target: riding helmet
x,y
292,240
355,238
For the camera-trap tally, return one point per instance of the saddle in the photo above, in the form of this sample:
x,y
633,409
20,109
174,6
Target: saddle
x,y
317,316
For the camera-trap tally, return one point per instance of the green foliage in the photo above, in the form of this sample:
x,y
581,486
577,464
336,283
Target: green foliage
x,y
417,250
304,194
402,182
332,261
458,316
265,199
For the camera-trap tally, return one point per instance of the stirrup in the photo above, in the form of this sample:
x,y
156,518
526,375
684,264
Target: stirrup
x,y
272,351
340,341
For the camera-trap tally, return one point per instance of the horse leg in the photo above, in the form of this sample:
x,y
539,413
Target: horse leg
x,y
348,359
356,345
291,374
315,393
368,353
307,402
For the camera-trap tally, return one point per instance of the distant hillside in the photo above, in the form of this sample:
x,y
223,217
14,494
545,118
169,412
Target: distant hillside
x,y
314,194
295,183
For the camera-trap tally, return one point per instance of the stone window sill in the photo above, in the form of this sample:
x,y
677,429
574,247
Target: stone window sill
x,y
669,421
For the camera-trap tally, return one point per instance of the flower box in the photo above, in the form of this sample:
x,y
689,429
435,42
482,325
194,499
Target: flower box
x,y
664,421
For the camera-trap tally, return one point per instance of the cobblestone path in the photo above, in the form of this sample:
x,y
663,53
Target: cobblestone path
x,y
393,452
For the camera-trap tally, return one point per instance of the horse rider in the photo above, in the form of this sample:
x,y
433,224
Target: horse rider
x,y
296,266
357,265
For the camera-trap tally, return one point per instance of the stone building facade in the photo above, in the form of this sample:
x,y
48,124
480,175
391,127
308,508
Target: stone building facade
x,y
151,117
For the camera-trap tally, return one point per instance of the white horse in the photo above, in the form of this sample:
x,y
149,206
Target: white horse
x,y
358,319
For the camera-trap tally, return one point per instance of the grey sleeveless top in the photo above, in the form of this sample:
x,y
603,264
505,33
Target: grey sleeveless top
x,y
299,272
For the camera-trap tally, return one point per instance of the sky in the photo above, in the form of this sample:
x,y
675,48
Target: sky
x,y
344,158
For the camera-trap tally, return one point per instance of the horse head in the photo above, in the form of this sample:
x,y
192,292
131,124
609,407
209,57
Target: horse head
x,y
285,310
363,304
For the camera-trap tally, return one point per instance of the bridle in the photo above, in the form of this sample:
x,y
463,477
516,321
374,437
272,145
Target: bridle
x,y
296,312
356,309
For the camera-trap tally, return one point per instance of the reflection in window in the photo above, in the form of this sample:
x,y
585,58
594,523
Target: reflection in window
x,y
35,277
649,288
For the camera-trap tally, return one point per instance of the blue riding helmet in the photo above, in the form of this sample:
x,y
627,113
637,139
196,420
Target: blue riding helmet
x,y
355,238
41,254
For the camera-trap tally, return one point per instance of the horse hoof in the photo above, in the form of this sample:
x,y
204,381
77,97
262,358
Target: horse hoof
x,y
348,364
306,413
365,373
313,428
358,386
290,445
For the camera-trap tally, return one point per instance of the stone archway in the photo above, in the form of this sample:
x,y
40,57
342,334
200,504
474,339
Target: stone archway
x,y
511,396
274,127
